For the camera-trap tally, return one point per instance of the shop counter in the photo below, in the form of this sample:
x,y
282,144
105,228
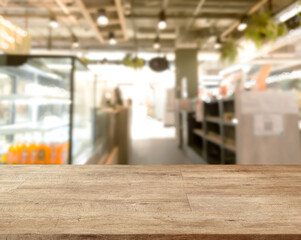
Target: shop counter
x,y
150,202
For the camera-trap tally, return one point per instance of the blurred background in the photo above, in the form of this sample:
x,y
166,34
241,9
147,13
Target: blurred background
x,y
150,82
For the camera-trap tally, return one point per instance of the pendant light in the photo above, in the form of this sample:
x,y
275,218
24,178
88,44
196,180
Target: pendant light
x,y
218,43
75,42
53,23
162,20
112,39
102,18
156,44
243,24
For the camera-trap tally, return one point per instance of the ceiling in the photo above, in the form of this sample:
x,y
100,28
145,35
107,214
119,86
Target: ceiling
x,y
190,23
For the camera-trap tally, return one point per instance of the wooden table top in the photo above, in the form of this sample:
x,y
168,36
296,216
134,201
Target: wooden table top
x,y
150,202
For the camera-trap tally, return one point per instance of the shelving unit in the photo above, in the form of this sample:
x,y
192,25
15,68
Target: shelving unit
x,y
214,138
192,136
26,128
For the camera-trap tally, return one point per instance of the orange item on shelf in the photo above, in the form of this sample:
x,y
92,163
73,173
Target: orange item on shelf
x,y
4,158
59,154
36,154
65,152
47,150
62,150
24,153
12,154
9,155
43,156
33,153
53,148
18,153
223,91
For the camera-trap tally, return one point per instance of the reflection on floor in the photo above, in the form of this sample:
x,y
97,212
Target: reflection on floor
x,y
152,143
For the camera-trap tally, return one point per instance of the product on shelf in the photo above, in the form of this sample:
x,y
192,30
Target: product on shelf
x,y
228,117
36,153
32,153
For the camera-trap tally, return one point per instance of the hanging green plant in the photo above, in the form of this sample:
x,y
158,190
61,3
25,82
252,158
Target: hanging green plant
x,y
262,28
229,51
136,63
85,60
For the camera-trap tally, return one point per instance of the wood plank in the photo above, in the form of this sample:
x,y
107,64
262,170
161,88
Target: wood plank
x,y
150,202
198,132
230,147
213,119
215,139
229,123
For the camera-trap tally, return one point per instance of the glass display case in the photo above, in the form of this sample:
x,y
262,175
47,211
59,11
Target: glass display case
x,y
45,115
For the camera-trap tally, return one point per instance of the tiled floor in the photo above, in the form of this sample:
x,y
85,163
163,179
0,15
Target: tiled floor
x,y
152,143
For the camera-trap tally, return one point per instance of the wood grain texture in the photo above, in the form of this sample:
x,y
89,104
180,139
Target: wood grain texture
x,y
150,202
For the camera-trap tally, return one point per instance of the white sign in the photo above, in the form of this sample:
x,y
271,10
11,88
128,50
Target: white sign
x,y
284,102
268,125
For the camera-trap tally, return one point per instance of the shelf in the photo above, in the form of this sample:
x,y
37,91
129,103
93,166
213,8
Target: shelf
x,y
229,123
214,139
213,119
230,147
198,132
212,102
37,99
231,99
29,127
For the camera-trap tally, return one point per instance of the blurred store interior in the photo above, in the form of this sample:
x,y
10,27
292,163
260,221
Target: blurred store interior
x,y
146,82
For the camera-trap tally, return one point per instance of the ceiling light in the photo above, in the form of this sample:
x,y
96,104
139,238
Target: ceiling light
x,y
218,43
243,24
289,13
53,23
75,42
112,39
156,44
162,20
102,18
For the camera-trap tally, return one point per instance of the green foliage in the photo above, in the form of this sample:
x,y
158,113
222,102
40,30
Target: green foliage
x,y
136,63
262,28
85,60
229,51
